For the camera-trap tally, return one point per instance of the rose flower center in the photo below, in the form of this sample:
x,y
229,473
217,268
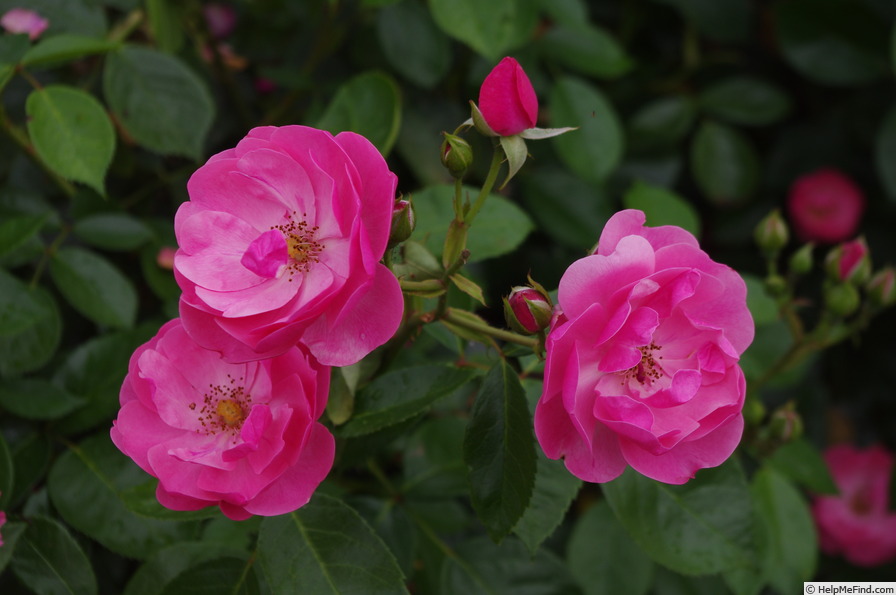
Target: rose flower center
x,y
648,370
224,408
304,249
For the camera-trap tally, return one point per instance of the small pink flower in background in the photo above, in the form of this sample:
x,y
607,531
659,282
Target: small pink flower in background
x,y
857,523
265,85
641,365
22,20
220,19
2,522
825,206
165,257
280,243
244,437
507,100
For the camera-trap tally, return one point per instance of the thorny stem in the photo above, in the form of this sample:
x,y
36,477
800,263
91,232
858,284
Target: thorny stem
x,y
489,330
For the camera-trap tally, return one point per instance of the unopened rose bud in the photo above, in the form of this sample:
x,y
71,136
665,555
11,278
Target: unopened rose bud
x,y
528,310
776,285
849,262
842,299
771,234
22,20
404,220
507,100
457,155
801,261
882,288
786,424
825,206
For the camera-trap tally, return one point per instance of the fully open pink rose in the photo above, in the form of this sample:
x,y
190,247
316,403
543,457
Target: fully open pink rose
x,y
507,100
825,206
642,357
857,523
244,437
280,242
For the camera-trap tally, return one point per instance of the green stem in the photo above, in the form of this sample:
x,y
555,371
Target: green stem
x,y
491,331
497,160
458,200
425,285
123,30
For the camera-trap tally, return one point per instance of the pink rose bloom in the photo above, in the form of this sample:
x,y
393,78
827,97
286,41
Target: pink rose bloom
x,y
244,437
642,357
507,100
857,523
280,242
825,206
22,20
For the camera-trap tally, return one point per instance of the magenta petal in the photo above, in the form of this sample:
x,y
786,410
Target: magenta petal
x,y
507,100
368,319
266,254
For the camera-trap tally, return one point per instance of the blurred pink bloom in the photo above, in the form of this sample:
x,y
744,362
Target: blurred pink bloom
x,y
244,437
165,257
507,100
280,243
220,18
265,85
641,363
22,20
825,206
857,523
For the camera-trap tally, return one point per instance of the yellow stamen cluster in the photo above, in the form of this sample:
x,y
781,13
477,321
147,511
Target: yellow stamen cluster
x,y
648,369
224,408
304,249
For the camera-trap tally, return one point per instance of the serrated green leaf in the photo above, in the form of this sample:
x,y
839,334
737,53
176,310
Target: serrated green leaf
x,y
414,46
433,461
94,287
161,102
327,548
595,150
500,227
787,531
234,576
662,207
35,398
65,48
167,564
490,28
85,485
800,462
71,133
702,527
400,395
30,326
112,231
13,47
662,122
499,450
587,49
745,100
50,562
724,164
393,525
604,559
16,231
369,104
483,567
31,459
94,371
554,490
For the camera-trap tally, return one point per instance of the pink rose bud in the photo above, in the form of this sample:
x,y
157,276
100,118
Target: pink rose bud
x,y
165,257
528,310
404,220
22,20
507,100
858,523
220,19
771,234
457,155
882,288
849,262
825,206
